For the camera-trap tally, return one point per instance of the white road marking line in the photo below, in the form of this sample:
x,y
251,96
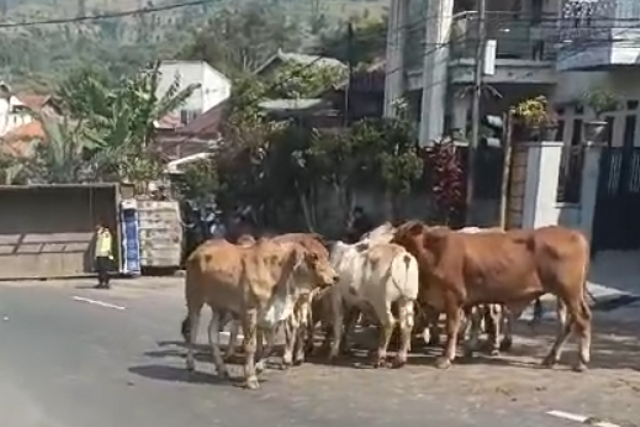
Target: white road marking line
x,y
100,303
581,419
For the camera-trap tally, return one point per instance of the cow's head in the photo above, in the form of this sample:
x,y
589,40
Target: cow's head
x,y
410,235
313,268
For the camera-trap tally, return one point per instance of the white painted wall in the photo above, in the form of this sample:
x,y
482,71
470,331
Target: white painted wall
x,y
11,116
541,187
215,87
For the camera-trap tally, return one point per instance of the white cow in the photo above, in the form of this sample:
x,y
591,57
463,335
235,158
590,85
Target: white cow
x,y
373,275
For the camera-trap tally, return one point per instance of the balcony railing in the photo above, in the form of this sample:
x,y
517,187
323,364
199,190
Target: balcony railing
x,y
519,36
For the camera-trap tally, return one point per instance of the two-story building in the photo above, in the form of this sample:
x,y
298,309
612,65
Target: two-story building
x,y
557,48
215,87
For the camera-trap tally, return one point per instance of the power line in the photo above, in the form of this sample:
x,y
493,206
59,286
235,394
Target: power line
x,y
110,15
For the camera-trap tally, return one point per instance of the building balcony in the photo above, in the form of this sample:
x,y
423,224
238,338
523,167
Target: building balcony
x,y
525,49
602,45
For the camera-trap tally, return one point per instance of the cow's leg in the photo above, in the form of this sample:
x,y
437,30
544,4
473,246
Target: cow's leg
x,y
431,331
301,337
194,324
406,319
564,326
454,317
387,324
290,333
579,317
471,329
583,330
250,329
508,320
350,321
214,328
233,340
185,328
268,337
338,321
493,319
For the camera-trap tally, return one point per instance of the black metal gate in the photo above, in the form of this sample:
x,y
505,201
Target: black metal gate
x,y
616,222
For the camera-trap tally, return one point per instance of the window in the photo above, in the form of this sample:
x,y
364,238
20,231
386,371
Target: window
x,y
187,116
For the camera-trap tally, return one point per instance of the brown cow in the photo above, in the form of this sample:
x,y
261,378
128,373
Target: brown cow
x,y
257,284
460,270
297,326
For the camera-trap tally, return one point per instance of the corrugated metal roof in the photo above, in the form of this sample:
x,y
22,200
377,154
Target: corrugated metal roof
x,y
301,58
292,104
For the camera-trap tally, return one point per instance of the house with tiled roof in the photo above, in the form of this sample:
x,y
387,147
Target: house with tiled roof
x,y
18,123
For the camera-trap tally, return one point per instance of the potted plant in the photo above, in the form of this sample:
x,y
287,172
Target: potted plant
x,y
534,120
600,100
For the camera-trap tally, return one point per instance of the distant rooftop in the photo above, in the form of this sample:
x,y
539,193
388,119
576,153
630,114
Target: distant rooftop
x,y
300,58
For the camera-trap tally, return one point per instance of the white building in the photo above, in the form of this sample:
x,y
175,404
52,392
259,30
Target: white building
x,y
13,112
558,48
214,89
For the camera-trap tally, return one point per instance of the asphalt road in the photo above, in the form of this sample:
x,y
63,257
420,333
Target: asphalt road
x,y
71,363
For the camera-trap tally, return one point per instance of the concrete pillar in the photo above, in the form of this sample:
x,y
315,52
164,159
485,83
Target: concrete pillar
x,y
434,71
394,68
534,185
460,108
589,187
517,184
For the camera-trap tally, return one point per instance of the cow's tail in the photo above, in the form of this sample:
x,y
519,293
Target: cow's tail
x,y
408,287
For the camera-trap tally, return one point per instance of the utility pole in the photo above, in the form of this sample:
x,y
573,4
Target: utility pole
x,y
347,91
506,169
475,111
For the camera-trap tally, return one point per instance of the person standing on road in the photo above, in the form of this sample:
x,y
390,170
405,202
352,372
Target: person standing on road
x,y
103,254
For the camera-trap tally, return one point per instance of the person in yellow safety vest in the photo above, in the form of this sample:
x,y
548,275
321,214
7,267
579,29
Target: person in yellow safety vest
x,y
103,254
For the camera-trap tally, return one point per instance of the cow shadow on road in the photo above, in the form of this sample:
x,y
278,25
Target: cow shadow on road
x,y
614,347
175,374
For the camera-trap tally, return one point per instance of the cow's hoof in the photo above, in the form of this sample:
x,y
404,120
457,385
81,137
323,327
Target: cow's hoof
x,y
580,367
549,361
224,374
495,352
298,362
252,383
506,345
381,363
332,359
191,366
398,363
443,363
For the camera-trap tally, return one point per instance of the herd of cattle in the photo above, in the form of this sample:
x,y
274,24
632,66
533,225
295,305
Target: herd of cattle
x,y
471,276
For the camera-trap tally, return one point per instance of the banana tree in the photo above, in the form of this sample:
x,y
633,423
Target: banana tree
x,y
122,118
